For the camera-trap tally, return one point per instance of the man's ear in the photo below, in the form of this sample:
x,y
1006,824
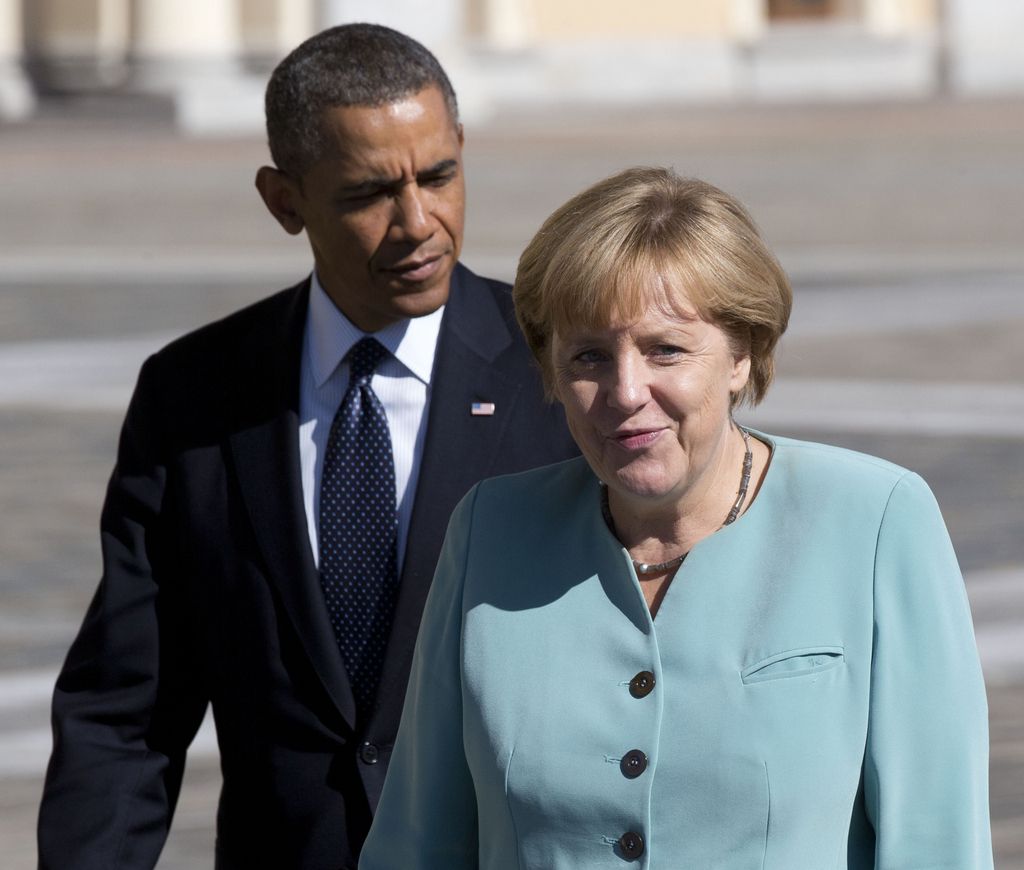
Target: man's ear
x,y
280,195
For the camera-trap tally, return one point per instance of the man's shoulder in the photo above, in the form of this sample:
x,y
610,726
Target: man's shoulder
x,y
242,361
495,285
466,284
481,312
260,325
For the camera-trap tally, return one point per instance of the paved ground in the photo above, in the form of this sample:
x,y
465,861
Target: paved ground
x,y
901,225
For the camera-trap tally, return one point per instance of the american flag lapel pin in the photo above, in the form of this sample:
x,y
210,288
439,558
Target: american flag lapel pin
x,y
482,409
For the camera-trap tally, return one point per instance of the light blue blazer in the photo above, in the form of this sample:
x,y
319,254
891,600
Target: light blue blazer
x,y
817,700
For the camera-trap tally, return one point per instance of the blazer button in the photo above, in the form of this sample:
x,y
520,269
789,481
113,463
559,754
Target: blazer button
x,y
368,754
642,684
633,764
632,845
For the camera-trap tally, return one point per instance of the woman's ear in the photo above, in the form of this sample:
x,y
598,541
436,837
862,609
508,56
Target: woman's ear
x,y
740,373
282,198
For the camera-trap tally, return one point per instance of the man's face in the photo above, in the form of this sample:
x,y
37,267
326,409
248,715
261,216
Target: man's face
x,y
384,211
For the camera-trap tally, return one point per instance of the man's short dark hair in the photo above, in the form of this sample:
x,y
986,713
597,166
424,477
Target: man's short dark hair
x,y
348,65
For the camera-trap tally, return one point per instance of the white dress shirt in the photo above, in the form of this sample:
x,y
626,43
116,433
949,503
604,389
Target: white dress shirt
x,y
401,382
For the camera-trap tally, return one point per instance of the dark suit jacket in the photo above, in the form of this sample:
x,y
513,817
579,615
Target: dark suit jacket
x,y
209,594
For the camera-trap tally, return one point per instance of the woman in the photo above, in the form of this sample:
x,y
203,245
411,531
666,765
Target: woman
x,y
698,646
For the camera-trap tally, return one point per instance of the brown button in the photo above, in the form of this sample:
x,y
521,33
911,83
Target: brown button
x,y
642,684
633,764
369,754
632,845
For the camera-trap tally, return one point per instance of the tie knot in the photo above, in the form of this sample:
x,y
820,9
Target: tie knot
x,y
364,357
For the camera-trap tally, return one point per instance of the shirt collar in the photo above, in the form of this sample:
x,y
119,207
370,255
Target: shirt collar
x,y
412,341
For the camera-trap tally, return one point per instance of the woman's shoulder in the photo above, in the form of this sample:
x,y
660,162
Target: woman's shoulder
x,y
554,484
815,465
530,499
523,510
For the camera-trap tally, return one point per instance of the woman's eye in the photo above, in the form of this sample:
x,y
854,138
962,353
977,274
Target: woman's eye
x,y
588,357
666,350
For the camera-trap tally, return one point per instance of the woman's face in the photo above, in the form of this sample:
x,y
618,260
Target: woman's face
x,y
648,401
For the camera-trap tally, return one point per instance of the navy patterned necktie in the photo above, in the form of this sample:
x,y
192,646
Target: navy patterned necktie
x,y
359,528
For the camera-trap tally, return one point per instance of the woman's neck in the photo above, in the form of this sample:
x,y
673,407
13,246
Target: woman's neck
x,y
657,531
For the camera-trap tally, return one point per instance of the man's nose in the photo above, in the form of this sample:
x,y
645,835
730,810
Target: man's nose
x,y
413,220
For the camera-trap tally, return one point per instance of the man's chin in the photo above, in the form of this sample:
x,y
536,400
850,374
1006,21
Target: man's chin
x,y
421,300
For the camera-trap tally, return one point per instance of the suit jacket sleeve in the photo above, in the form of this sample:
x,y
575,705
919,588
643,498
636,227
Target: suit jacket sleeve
x,y
427,816
926,763
126,704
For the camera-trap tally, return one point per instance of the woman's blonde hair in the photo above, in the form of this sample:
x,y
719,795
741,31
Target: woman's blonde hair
x,y
649,236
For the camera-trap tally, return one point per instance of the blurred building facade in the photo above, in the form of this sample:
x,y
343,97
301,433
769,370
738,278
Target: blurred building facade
x,y
211,57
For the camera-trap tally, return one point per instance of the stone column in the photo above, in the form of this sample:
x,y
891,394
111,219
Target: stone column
x,y
885,17
438,25
192,51
504,24
441,25
16,97
180,44
272,28
749,19
77,45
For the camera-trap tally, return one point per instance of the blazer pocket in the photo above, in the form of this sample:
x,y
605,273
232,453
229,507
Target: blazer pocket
x,y
793,663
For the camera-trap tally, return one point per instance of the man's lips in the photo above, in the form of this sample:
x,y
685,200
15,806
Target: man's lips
x,y
419,269
635,439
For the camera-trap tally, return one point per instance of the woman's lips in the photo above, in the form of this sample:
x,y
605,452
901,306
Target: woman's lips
x,y
636,439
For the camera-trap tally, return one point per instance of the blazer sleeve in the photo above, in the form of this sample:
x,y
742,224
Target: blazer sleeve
x,y
427,816
126,703
926,763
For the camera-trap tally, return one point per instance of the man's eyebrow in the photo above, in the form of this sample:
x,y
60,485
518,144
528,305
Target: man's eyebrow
x,y
369,184
442,167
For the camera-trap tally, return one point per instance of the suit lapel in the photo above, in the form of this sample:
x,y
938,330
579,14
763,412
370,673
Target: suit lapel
x,y
265,449
459,450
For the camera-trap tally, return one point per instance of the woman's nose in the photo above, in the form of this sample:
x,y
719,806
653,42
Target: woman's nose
x,y
628,390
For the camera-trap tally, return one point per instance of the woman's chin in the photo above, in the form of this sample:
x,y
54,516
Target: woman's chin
x,y
641,487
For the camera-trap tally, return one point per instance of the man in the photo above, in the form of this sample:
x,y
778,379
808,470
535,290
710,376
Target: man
x,y
283,483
